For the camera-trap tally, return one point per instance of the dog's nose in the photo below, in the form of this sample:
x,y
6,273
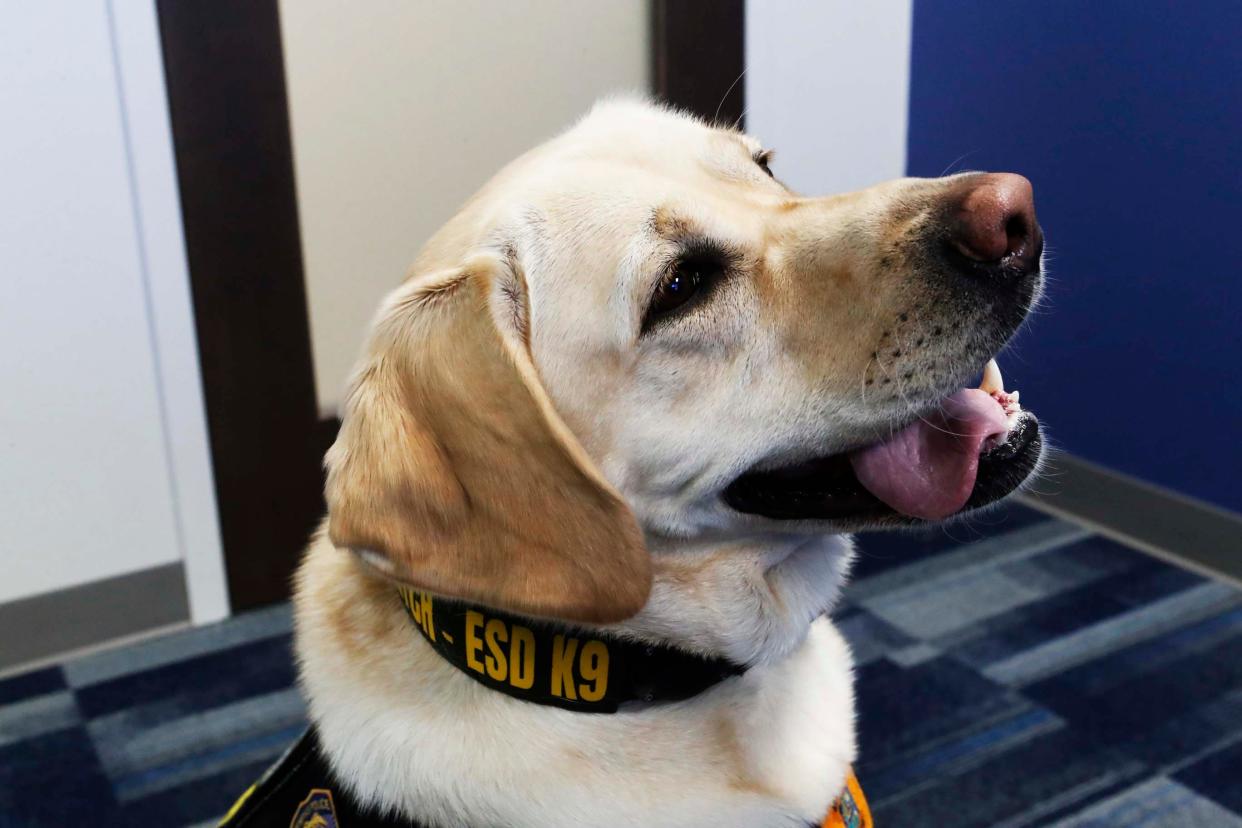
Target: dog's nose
x,y
994,222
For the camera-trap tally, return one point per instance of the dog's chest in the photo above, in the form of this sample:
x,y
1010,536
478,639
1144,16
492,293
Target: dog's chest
x,y
302,791
411,734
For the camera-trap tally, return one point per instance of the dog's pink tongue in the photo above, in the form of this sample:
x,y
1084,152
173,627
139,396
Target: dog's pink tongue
x,y
927,470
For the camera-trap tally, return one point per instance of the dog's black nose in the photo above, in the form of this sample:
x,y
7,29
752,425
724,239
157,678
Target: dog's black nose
x,y
993,223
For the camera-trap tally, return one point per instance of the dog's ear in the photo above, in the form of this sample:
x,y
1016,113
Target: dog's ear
x,y
453,473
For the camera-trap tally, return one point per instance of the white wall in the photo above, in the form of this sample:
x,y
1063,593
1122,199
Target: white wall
x,y
400,110
103,454
827,85
157,204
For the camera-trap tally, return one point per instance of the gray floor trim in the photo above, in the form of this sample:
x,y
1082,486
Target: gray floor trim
x,y
45,625
1183,531
114,662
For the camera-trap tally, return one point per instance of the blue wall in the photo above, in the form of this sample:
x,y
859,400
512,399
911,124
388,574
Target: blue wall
x,y
1127,116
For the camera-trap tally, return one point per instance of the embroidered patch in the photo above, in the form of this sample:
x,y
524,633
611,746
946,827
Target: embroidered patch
x,y
316,811
850,810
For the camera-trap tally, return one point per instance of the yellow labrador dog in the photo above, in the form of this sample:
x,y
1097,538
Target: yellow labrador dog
x,y
637,390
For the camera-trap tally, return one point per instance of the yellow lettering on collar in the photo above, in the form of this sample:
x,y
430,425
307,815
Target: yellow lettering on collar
x,y
594,668
522,658
563,652
495,634
419,605
424,604
507,652
474,620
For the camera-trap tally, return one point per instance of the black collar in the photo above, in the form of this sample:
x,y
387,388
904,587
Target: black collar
x,y
547,663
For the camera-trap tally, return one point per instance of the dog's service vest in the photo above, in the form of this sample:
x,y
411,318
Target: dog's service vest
x,y
531,660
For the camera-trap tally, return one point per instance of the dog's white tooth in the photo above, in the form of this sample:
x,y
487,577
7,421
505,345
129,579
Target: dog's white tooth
x,y
1013,396
992,381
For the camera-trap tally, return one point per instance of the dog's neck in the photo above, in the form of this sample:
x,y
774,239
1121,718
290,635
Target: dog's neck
x,y
409,732
748,600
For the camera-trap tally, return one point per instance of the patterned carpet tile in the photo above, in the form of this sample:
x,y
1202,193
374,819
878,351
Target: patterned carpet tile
x,y
1218,774
1013,672
1078,681
175,690
28,685
166,732
1154,803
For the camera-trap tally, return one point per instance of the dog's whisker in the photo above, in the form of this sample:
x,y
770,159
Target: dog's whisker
x,y
941,429
955,162
725,97
863,381
892,426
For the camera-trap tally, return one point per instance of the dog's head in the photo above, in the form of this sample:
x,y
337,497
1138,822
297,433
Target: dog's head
x,y
636,334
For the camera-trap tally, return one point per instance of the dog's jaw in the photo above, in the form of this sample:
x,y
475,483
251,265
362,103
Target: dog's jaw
x,y
409,733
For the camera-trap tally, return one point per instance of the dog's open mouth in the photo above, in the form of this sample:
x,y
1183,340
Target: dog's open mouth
x,y
978,446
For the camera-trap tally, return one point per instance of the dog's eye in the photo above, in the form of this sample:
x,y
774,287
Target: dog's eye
x,y
681,284
764,159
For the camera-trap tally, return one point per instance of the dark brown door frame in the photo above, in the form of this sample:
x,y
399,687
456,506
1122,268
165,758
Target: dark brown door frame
x,y
224,69
699,56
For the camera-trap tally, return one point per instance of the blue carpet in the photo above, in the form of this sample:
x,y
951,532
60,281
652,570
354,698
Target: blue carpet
x,y
1014,671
